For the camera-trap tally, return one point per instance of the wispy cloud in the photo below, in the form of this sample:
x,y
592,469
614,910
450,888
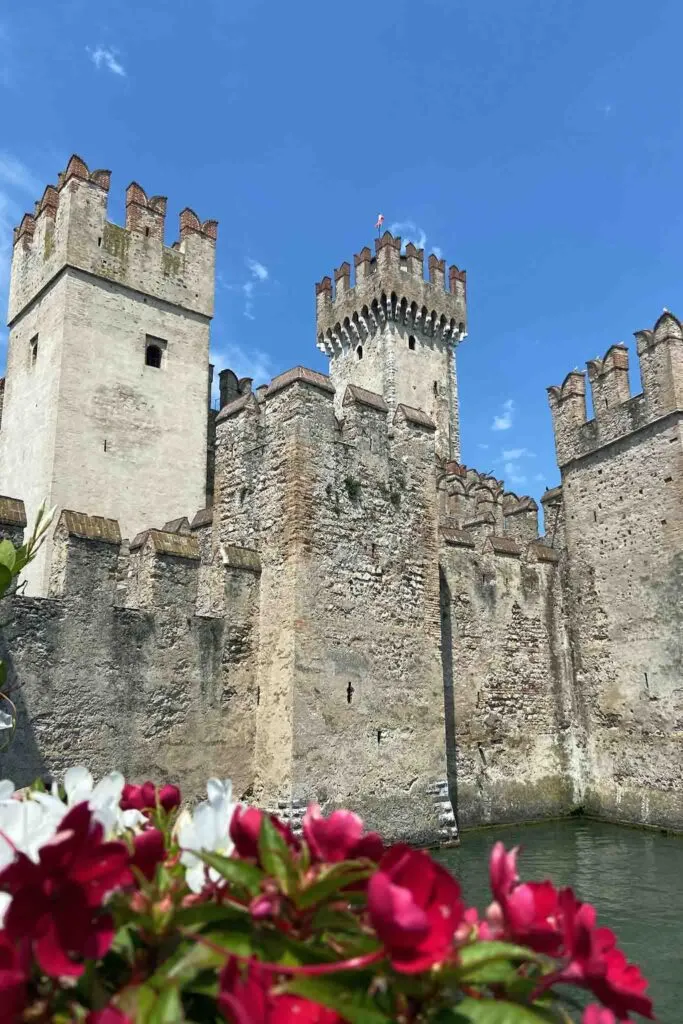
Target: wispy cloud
x,y
253,363
503,421
480,445
517,453
258,270
105,57
514,474
259,274
606,109
411,232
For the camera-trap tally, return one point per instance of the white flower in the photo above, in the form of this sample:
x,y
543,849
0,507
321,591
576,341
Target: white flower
x,y
24,826
103,799
207,829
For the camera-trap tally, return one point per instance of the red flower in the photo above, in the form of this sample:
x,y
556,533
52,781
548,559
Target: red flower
x,y
109,1015
13,978
149,850
55,902
339,837
144,797
245,826
415,908
247,1000
527,912
595,962
595,1014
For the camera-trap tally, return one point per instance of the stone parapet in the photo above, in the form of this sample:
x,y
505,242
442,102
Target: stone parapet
x,y
69,229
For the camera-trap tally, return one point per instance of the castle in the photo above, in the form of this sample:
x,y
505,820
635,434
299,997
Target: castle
x,y
307,590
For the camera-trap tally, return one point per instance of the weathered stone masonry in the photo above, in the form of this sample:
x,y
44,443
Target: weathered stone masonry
x,y
356,618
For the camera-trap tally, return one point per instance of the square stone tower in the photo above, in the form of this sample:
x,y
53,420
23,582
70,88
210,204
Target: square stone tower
x,y
395,334
106,397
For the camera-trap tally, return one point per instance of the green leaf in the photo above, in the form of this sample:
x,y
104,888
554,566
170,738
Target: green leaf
x,y
168,1008
191,961
275,856
346,992
483,952
332,881
138,1001
239,872
8,554
497,1011
5,578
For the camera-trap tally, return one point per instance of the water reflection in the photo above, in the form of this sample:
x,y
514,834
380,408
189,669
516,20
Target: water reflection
x,y
634,878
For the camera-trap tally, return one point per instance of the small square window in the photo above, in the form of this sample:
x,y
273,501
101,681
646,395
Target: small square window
x,y
155,352
33,349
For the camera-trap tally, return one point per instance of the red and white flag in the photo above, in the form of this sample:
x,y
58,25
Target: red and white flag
x,y
380,221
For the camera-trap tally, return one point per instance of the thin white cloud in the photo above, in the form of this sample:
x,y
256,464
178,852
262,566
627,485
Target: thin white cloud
x,y
480,445
105,57
540,477
248,290
16,175
409,232
259,271
253,363
504,420
514,473
517,453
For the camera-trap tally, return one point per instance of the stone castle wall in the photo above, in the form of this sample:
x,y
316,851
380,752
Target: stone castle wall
x,y
622,487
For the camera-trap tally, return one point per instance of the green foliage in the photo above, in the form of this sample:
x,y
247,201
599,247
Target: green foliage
x,y
12,561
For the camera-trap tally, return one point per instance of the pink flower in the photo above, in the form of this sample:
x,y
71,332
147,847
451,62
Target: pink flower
x,y
339,837
109,1015
13,978
415,908
144,797
527,912
56,902
245,826
149,850
596,964
595,1014
246,999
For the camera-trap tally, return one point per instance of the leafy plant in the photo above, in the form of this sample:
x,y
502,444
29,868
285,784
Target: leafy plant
x,y
121,909
12,562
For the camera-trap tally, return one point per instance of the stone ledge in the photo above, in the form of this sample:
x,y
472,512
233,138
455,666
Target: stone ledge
x,y
176,544
543,552
77,524
457,538
300,373
416,416
202,518
355,394
240,558
503,546
12,511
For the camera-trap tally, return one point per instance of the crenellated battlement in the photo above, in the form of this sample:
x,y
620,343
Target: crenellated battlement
x,y
615,412
390,286
69,229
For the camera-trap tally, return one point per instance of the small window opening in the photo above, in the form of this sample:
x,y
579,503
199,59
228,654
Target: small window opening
x,y
668,479
105,444
359,351
411,343
34,349
436,388
349,693
647,685
379,736
258,695
99,242
146,232
595,516
153,356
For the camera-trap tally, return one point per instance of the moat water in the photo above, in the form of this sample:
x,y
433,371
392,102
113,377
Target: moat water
x,y
634,878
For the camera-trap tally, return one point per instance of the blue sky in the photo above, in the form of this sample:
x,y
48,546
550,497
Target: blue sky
x,y
536,143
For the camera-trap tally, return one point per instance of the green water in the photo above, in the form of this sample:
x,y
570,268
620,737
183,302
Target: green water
x,y
634,879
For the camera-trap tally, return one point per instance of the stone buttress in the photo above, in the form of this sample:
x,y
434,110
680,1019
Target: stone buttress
x,y
343,515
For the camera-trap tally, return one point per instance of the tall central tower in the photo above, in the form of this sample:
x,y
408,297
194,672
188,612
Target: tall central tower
x,y
395,334
106,397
